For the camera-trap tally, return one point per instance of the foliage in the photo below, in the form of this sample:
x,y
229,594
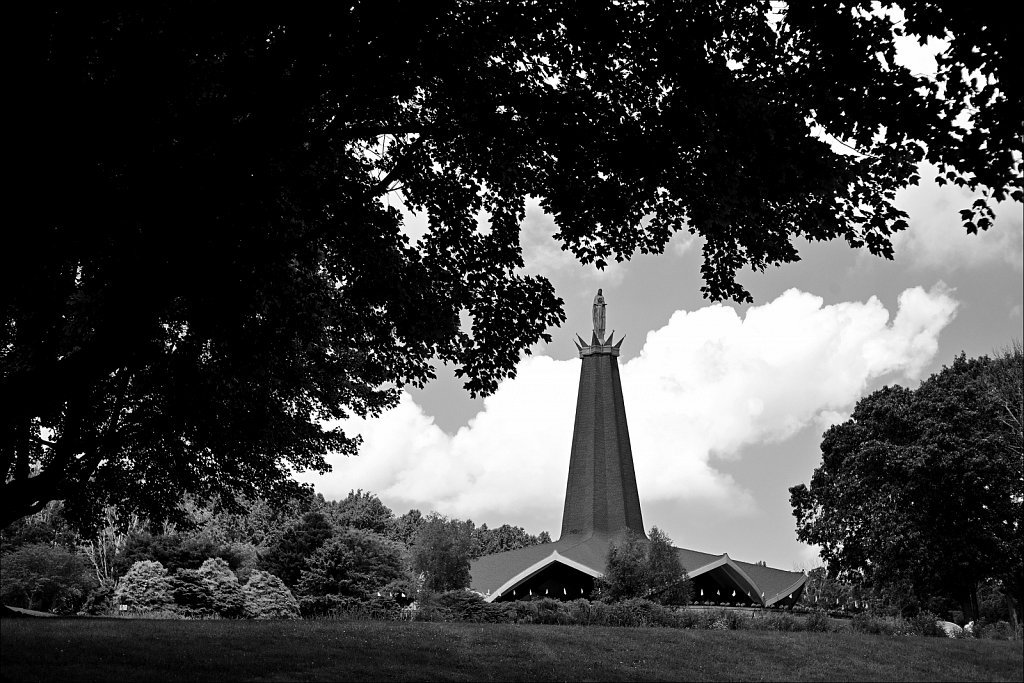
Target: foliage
x,y
441,552
920,494
288,554
822,591
99,601
43,577
353,563
225,271
47,526
640,568
267,597
403,591
407,526
505,537
174,551
818,620
312,606
146,587
193,598
625,573
465,605
360,510
258,522
226,597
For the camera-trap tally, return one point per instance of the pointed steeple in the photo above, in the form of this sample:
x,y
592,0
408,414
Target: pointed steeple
x,y
601,496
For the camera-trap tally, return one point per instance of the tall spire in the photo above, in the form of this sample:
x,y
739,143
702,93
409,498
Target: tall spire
x,y
601,496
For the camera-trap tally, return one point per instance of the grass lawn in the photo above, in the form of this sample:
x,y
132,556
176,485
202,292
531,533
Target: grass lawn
x,y
151,650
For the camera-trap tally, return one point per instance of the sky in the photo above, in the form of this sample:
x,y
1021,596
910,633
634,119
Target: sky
x,y
726,403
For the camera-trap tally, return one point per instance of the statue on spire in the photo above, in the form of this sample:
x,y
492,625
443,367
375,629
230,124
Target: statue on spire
x,y
599,317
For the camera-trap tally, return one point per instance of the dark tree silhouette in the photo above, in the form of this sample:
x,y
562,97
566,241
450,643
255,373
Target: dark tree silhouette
x,y
921,492
212,266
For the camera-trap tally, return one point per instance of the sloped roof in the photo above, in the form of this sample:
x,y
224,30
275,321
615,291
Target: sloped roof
x,y
491,573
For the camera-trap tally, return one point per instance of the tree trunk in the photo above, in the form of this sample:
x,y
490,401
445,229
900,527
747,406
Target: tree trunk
x,y
1011,605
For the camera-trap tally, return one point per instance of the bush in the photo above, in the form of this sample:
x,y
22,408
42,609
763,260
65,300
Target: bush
x,y
1000,630
429,608
515,612
313,606
99,601
226,597
587,613
193,598
639,612
865,622
777,621
42,577
818,621
721,620
146,588
403,591
924,623
464,605
266,597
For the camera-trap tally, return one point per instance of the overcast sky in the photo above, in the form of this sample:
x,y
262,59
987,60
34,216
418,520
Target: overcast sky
x,y
726,404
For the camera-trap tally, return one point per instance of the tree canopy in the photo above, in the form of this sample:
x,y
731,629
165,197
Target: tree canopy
x,y
921,492
214,264
441,553
638,567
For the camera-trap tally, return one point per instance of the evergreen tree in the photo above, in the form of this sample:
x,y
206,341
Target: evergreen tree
x,y
287,556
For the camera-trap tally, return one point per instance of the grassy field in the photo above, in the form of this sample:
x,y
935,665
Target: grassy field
x,y
151,650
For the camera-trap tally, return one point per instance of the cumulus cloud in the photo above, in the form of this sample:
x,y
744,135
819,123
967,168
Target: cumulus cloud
x,y
705,388
936,237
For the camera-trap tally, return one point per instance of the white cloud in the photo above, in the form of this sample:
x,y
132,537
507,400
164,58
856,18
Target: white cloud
x,y
705,387
936,237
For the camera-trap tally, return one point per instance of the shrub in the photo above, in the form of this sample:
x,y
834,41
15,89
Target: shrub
x,y
145,588
226,597
1000,630
515,612
777,621
312,606
431,609
818,621
865,622
193,598
548,611
924,623
639,612
266,597
466,605
42,577
99,601
721,620
587,613
402,591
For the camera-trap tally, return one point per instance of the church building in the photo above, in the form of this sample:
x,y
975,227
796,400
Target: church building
x,y
602,503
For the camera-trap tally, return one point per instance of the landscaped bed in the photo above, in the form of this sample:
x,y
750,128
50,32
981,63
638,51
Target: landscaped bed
x,y
145,649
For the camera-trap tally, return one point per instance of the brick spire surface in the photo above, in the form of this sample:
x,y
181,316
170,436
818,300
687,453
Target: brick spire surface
x,y
601,496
